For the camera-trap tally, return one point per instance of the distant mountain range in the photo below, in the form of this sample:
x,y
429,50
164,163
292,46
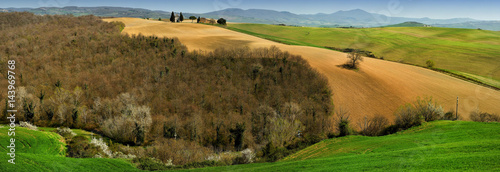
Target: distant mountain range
x,y
356,18
98,11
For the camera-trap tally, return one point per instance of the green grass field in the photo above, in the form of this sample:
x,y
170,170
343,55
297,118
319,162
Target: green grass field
x,y
471,52
44,151
434,146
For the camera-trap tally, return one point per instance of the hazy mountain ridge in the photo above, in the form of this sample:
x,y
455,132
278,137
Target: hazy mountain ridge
x,y
356,17
104,11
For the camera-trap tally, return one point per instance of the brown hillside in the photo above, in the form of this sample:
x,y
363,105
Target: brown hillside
x,y
379,87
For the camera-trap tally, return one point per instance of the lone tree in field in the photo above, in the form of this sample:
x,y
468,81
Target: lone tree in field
x,y
221,21
198,20
354,59
172,17
192,18
181,17
159,19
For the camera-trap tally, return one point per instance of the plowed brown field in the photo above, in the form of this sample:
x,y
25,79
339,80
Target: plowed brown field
x,y
379,87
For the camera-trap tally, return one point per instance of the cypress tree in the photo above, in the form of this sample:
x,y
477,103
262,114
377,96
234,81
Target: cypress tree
x,y
172,17
199,19
181,17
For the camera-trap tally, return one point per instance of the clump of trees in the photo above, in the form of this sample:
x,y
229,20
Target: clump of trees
x,y
222,21
150,91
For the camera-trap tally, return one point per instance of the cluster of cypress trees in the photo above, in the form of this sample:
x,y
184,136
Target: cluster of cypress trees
x,y
172,17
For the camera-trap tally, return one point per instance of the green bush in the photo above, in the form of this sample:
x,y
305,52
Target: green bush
x,y
79,147
343,123
65,132
430,63
449,115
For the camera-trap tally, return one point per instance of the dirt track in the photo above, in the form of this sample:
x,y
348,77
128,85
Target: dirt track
x,y
379,87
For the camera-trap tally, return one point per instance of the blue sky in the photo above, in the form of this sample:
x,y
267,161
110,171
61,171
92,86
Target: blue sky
x,y
438,9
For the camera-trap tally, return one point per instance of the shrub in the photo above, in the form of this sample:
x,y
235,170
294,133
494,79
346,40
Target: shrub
x,y
429,109
479,116
79,147
28,125
343,123
65,132
374,126
150,164
247,156
121,155
225,158
450,115
415,114
407,117
102,146
179,151
430,63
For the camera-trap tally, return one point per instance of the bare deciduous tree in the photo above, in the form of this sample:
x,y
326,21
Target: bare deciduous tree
x,y
354,59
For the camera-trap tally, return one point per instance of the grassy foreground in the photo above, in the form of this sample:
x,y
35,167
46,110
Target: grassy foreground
x,y
475,52
45,151
434,146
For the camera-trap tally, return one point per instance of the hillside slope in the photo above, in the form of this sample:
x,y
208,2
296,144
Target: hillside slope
x,y
435,146
45,151
449,48
379,87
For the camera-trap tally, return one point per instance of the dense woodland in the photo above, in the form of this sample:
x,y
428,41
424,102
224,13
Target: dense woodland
x,y
81,72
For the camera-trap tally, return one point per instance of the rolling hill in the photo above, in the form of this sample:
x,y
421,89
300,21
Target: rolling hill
x,y
379,87
485,25
449,48
408,24
435,146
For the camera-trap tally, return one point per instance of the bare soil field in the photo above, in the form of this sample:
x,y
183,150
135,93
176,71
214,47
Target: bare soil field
x,y
379,87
